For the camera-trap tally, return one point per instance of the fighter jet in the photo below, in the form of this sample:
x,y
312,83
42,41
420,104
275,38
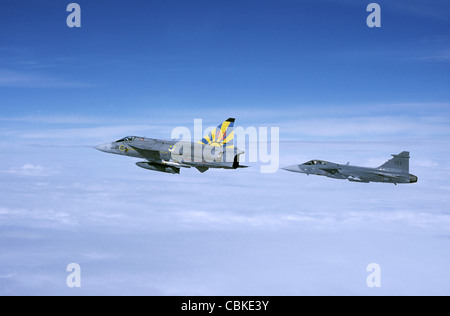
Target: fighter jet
x,y
216,150
395,170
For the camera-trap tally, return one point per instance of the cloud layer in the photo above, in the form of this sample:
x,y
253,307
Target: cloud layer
x,y
222,232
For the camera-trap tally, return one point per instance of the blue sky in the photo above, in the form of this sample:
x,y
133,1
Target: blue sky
x,y
337,90
201,54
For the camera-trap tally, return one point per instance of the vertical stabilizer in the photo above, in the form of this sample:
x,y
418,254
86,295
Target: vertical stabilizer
x,y
399,162
221,136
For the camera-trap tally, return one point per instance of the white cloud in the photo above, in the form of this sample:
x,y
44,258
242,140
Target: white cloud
x,y
368,127
363,123
30,170
98,256
20,79
36,217
52,119
441,56
6,276
427,163
135,231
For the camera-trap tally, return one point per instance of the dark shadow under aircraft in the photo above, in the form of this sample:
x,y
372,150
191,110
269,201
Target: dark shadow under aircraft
x,y
395,170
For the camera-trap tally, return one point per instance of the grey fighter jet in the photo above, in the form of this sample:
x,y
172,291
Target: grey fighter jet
x,y
216,150
395,170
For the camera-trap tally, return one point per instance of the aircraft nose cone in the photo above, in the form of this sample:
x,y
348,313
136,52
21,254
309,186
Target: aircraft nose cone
x,y
103,147
295,168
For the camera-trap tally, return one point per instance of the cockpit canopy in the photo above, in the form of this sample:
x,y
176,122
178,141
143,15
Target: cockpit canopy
x,y
315,162
127,139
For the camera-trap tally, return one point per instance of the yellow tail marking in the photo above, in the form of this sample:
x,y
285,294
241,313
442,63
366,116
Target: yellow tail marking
x,y
224,127
229,137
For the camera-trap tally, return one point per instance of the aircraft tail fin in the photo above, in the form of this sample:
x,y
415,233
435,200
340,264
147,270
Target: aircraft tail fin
x,y
221,136
399,162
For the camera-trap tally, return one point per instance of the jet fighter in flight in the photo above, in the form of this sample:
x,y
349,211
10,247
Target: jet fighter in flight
x,y
395,170
216,150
